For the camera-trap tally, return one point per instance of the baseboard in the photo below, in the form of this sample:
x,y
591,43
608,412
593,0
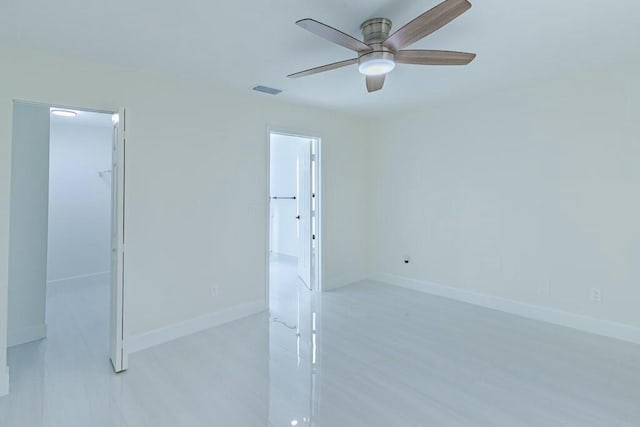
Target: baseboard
x,y
576,321
25,335
83,278
284,257
4,382
149,339
341,281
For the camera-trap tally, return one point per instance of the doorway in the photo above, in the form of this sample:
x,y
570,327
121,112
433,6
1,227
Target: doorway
x,y
294,215
66,231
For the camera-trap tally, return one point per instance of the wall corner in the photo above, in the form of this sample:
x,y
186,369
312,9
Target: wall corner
x,y
4,382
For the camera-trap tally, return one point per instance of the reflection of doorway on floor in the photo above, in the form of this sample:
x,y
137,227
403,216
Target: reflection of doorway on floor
x,y
287,290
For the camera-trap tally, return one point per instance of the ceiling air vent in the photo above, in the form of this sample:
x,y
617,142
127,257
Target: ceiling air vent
x,y
267,89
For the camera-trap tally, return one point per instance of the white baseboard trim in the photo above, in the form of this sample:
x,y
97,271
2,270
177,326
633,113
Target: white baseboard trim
x,y
338,282
25,335
546,314
4,382
285,257
158,336
88,278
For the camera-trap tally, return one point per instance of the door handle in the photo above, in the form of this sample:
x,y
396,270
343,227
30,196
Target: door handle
x,y
297,216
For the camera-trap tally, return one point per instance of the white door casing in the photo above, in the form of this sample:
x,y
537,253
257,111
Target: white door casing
x,y
116,351
304,212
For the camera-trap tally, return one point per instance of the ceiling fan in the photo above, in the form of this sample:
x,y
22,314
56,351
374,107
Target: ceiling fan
x,y
380,52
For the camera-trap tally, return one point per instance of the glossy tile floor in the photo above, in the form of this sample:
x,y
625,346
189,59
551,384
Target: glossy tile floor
x,y
377,356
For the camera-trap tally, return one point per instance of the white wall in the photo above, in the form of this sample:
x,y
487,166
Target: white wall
x,y
79,200
529,194
28,232
197,198
283,181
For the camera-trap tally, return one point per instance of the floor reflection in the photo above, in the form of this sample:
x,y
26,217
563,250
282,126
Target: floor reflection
x,y
367,354
293,342
66,379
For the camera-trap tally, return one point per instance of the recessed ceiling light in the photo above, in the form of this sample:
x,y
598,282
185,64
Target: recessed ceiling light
x,y
63,113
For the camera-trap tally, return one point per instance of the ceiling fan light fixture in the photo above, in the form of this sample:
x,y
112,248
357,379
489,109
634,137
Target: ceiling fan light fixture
x,y
376,63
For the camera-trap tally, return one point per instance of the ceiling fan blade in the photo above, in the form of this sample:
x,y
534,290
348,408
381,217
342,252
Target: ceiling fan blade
x,y
323,68
433,57
427,23
375,83
333,35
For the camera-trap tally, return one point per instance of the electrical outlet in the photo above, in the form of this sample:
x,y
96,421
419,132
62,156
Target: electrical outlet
x,y
214,291
596,295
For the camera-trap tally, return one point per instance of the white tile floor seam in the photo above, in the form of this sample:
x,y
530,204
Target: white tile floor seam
x,y
384,356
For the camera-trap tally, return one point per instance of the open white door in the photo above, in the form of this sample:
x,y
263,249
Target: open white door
x,y
304,212
116,351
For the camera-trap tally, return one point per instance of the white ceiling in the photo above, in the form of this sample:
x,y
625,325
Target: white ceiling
x,y
240,44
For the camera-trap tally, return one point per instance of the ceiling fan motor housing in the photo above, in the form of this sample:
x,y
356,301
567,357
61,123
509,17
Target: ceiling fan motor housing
x,y
375,32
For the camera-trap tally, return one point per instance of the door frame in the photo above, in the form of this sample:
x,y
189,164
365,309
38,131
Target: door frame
x,y
117,237
121,155
317,259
